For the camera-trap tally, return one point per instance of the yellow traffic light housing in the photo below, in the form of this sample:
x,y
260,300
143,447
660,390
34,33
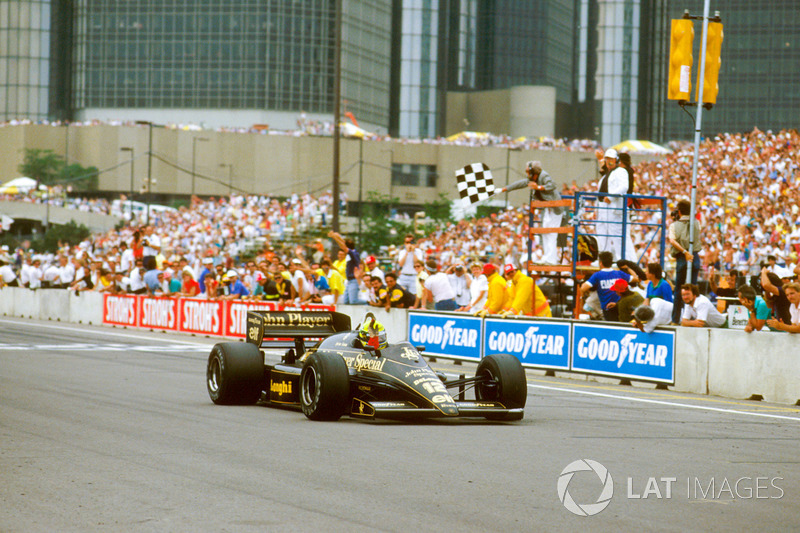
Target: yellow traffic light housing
x,y
713,63
680,59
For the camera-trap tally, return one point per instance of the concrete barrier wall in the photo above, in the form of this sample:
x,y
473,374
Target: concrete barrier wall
x,y
719,362
691,360
760,363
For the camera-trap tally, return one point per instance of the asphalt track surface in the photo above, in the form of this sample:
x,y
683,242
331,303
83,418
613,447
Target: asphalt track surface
x,y
106,429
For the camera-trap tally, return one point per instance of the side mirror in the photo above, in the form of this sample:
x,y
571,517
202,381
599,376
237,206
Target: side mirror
x,y
420,348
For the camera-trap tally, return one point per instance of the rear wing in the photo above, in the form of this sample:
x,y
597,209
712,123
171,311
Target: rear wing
x,y
292,325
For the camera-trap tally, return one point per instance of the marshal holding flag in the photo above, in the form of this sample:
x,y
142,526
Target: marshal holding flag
x,y
475,183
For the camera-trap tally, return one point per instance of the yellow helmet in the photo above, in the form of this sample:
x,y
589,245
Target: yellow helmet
x,y
372,333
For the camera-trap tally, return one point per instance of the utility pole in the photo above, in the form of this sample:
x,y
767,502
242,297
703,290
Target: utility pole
x,y
230,176
337,96
149,164
194,147
130,198
679,88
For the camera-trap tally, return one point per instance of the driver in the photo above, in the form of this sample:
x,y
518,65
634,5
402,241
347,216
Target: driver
x,y
372,333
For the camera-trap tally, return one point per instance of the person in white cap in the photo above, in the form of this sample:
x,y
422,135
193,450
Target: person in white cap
x,y
609,214
236,289
35,273
607,162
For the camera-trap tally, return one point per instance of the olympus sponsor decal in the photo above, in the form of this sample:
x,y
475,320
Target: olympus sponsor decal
x,y
622,351
525,343
446,335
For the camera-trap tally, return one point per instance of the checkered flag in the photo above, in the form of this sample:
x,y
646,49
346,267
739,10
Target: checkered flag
x,y
475,183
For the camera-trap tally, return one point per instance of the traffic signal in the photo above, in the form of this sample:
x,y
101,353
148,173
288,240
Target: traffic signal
x,y
713,62
680,59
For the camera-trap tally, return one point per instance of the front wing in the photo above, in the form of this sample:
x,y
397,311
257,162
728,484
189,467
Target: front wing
x,y
403,410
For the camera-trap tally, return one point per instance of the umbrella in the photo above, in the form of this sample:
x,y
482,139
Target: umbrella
x,y
19,185
468,135
633,146
351,130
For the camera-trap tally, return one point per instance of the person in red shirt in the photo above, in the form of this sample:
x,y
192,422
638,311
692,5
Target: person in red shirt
x,y
189,287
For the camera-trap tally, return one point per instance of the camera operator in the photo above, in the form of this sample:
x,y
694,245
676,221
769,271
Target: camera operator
x,y
679,239
406,258
151,248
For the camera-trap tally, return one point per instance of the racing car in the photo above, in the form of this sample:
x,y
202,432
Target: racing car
x,y
354,372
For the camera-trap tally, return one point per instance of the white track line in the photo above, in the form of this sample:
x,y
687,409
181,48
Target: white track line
x,y
664,402
101,331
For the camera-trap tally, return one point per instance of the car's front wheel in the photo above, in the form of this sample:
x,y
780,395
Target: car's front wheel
x,y
324,387
502,379
235,373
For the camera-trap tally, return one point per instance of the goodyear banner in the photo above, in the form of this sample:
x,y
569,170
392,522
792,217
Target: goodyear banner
x,y
455,336
537,344
624,352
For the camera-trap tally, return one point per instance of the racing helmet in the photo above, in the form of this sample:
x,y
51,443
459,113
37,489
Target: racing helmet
x,y
372,333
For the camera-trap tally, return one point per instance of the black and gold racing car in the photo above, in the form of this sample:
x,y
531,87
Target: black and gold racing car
x,y
354,372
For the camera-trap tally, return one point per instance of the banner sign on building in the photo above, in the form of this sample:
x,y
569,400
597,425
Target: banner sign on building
x,y
624,352
537,344
451,336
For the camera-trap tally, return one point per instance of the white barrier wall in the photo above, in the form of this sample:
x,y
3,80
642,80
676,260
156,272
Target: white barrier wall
x,y
720,362
760,363
691,359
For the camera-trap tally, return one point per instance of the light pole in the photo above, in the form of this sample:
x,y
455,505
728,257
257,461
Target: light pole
x,y
360,183
337,96
149,163
194,146
130,199
509,149
230,176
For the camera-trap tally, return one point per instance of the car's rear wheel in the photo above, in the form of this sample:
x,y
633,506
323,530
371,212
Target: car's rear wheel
x,y
502,380
235,373
324,387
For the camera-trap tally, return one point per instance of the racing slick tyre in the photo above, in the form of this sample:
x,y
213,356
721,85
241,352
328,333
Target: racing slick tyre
x,y
324,387
235,373
504,382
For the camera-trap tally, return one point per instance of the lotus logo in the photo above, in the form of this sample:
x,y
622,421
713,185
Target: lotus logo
x,y
587,509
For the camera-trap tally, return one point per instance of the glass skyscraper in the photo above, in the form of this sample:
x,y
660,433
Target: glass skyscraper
x,y
759,78
24,59
245,61
231,55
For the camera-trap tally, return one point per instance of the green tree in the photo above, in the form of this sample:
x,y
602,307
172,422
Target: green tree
x,y
57,235
439,209
49,168
81,178
378,228
41,165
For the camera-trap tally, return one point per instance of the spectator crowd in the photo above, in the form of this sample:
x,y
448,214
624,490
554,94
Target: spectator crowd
x,y
239,247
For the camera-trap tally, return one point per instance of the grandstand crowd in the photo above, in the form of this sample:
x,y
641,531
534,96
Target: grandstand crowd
x,y
748,209
310,127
